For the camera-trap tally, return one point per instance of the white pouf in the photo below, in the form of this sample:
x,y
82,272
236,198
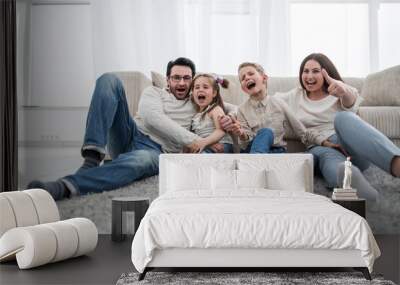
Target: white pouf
x,y
31,233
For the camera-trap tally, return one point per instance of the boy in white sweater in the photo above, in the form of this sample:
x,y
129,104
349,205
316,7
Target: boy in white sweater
x,y
262,120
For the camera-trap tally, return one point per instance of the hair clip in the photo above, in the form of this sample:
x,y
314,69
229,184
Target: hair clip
x,y
219,79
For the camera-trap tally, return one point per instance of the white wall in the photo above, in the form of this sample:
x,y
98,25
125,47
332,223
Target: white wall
x,y
55,79
61,54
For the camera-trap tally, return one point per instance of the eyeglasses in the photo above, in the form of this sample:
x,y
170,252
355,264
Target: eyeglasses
x,y
178,78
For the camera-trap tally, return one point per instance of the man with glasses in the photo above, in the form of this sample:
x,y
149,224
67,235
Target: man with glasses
x,y
161,125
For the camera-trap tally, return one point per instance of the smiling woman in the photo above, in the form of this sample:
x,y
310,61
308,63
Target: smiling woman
x,y
327,106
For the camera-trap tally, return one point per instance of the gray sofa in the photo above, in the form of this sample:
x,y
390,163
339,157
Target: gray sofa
x,y
380,108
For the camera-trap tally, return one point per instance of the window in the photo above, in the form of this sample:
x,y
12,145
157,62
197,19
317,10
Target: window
x,y
221,34
360,36
343,38
389,34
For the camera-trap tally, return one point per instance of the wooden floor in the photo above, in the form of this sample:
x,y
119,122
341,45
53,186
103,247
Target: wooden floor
x,y
111,259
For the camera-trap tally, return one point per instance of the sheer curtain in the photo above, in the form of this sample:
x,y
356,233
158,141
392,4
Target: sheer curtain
x,y
222,34
136,34
218,35
275,45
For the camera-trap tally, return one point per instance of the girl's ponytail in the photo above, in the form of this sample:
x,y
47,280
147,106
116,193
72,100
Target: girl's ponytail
x,y
221,81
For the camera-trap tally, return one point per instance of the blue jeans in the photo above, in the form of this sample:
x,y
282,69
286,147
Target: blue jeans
x,y
109,123
364,143
262,143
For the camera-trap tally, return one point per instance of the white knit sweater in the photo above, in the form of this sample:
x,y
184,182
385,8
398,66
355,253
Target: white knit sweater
x,y
165,119
317,116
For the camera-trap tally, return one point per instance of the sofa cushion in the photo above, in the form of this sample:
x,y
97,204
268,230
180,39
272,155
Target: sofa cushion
x,y
158,80
281,84
382,88
134,83
234,93
384,118
396,142
355,82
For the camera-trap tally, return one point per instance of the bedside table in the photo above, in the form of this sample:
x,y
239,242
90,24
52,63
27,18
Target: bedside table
x,y
357,206
126,204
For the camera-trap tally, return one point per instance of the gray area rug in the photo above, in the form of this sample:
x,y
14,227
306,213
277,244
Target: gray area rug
x,y
97,206
273,278
383,218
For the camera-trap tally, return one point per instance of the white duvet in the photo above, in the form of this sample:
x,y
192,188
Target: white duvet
x,y
254,218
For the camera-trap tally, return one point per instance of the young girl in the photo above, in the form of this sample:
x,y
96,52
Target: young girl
x,y
262,119
210,107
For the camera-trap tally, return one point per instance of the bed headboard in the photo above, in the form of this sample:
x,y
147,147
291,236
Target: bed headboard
x,y
283,164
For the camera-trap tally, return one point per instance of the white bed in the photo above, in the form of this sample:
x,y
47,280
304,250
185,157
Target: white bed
x,y
230,211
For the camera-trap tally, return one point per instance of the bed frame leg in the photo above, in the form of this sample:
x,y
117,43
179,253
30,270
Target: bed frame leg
x,y
364,271
143,274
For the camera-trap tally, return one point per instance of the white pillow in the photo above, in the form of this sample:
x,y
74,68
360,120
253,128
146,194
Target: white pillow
x,y
223,179
184,177
251,179
382,88
158,80
281,174
293,178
